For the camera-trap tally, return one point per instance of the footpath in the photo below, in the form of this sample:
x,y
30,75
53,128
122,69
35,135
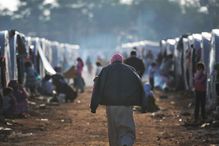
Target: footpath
x,y
72,124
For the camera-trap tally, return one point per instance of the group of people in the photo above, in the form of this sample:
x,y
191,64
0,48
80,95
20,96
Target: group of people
x,y
119,87
14,97
14,101
57,86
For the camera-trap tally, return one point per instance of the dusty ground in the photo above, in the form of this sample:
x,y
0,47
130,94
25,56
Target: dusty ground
x,y
72,124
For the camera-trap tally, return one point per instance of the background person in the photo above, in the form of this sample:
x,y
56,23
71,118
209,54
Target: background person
x,y
79,82
8,103
200,80
135,62
21,98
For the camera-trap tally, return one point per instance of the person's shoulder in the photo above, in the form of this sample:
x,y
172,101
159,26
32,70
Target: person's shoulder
x,y
105,68
117,66
128,59
138,59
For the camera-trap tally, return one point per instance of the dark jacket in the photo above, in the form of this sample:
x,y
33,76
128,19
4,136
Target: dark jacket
x,y
137,64
117,84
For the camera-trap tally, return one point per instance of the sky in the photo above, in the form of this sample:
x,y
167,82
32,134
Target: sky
x,y
10,4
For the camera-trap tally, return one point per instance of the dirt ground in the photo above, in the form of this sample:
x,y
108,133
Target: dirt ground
x,y
72,124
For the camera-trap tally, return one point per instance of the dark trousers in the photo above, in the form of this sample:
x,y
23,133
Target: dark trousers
x,y
200,101
151,81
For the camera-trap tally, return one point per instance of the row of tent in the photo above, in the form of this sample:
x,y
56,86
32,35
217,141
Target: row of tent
x,y
189,49
17,48
140,46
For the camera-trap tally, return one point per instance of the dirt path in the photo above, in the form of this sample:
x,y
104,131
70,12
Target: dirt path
x,y
72,124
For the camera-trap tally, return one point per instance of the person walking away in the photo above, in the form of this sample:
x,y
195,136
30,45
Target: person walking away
x,y
119,87
200,91
135,62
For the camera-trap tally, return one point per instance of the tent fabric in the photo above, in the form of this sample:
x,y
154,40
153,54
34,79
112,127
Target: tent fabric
x,y
46,63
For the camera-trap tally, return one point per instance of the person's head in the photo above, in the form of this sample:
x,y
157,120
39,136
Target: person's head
x,y
7,91
117,58
98,63
200,66
79,59
133,53
13,84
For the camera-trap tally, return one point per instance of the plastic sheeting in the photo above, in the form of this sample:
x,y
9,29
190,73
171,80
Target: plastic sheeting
x,y
13,62
5,52
45,62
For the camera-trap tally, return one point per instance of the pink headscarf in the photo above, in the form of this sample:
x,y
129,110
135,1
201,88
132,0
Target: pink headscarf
x,y
116,57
